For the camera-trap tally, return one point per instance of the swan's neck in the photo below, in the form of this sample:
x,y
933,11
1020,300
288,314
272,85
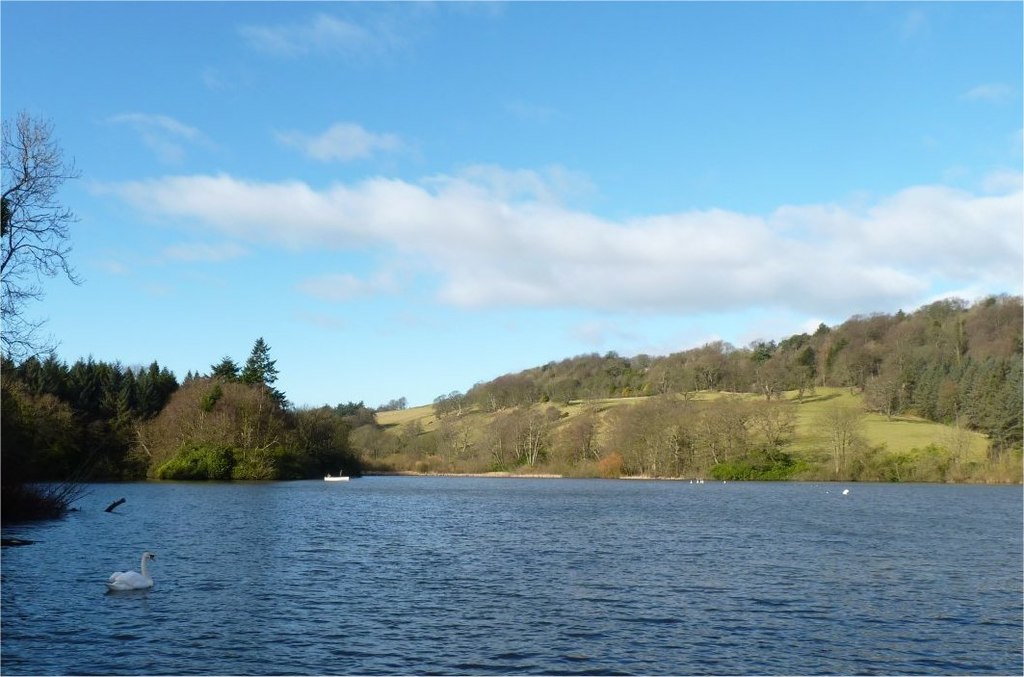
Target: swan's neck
x,y
143,566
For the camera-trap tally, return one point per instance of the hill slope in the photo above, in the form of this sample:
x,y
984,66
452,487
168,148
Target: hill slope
x,y
901,448
934,395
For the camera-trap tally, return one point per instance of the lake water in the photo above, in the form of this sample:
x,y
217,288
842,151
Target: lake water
x,y
404,575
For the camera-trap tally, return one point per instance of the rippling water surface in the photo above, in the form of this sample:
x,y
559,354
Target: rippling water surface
x,y
396,575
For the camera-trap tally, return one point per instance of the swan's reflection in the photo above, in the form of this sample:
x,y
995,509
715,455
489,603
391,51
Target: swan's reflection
x,y
142,597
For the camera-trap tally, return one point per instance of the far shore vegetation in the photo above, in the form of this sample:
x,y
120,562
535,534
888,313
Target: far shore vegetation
x,y
930,396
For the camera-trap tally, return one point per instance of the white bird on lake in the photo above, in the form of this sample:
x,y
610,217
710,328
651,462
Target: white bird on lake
x,y
133,580
846,492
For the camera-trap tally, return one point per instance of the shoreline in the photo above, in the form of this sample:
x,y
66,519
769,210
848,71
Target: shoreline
x,y
413,473
539,476
640,478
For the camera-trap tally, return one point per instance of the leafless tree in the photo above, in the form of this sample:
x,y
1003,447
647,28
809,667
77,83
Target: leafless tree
x,y
774,423
721,429
843,425
579,437
34,241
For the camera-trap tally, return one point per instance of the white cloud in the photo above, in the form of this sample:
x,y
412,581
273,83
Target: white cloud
x,y
922,233
204,252
1003,181
552,184
991,91
532,112
494,240
598,333
227,79
913,24
163,123
343,141
322,33
323,321
164,135
112,266
345,287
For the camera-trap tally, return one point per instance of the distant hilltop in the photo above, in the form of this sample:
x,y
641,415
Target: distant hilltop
x,y
932,395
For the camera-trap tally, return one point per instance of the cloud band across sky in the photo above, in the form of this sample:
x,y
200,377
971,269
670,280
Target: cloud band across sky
x,y
343,142
492,247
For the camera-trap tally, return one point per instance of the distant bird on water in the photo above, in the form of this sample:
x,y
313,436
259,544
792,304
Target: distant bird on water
x,y
133,580
846,492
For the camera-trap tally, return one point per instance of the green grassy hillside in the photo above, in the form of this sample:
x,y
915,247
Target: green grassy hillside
x,y
900,434
898,448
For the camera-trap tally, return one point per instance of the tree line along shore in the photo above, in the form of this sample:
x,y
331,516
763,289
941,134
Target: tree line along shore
x,y
822,436
933,395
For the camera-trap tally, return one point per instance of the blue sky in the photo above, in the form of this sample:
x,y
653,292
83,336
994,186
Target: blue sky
x,y
405,199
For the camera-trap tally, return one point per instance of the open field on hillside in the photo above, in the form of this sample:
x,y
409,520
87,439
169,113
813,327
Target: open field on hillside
x,y
901,434
906,438
399,417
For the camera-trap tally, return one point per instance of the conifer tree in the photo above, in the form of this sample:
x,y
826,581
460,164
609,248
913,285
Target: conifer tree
x,y
226,369
261,370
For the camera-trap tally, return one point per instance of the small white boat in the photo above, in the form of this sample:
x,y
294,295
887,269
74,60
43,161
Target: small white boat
x,y
339,478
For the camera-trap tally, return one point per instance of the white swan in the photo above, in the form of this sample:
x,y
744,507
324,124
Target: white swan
x,y
133,580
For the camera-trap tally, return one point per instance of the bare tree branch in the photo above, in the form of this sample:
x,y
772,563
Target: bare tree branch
x,y
34,231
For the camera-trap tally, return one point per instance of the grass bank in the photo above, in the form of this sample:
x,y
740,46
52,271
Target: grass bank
x,y
900,448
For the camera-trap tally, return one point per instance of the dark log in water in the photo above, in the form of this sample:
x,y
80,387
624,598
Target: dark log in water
x,y
113,505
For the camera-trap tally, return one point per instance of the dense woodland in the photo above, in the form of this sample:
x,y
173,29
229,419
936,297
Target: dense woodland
x,y
95,420
731,412
949,362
